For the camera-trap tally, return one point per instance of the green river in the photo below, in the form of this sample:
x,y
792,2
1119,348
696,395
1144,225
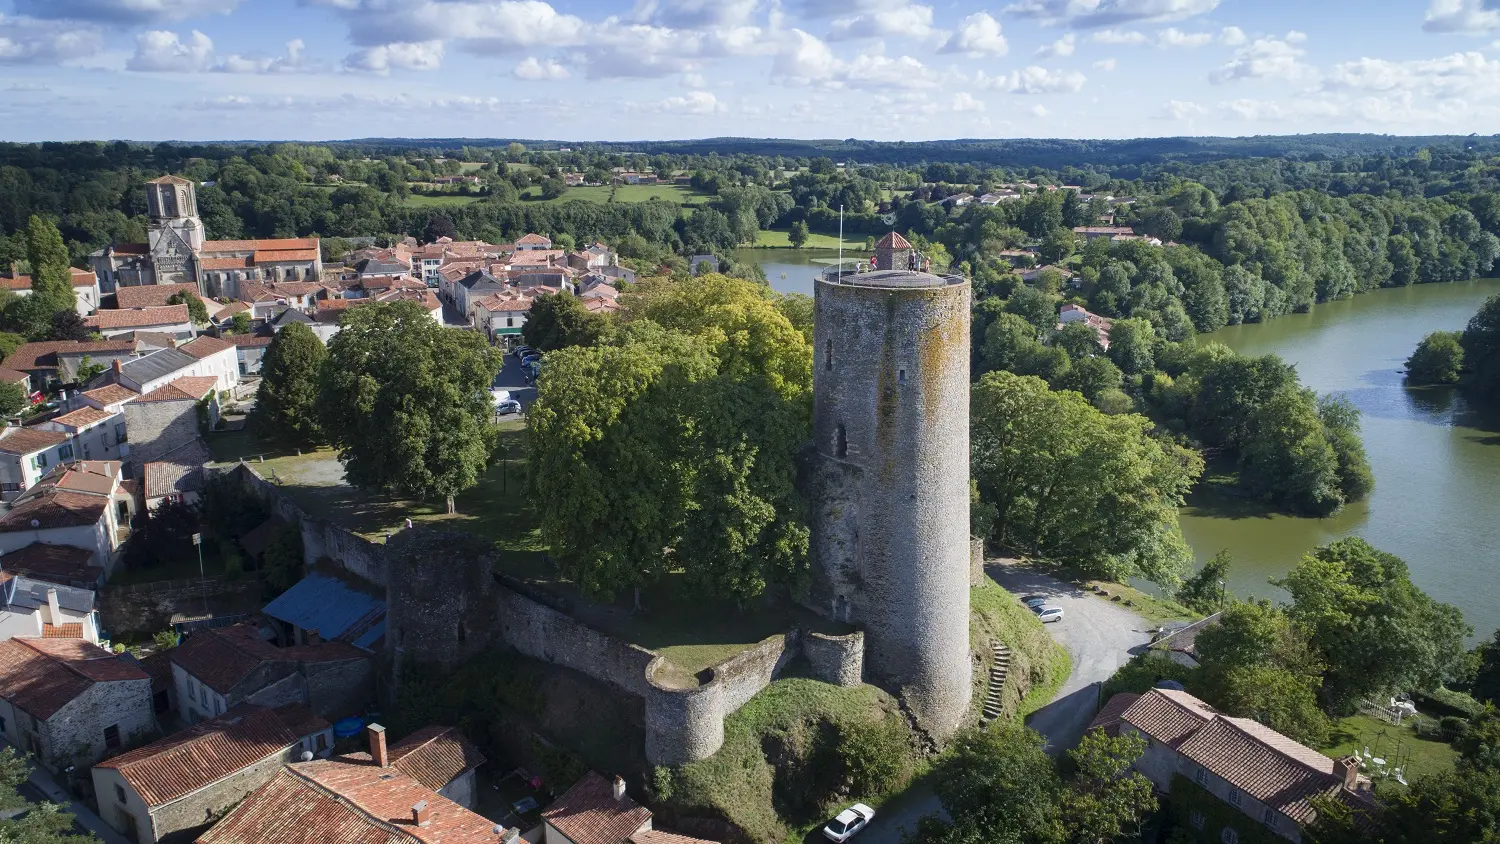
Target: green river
x,y
1437,461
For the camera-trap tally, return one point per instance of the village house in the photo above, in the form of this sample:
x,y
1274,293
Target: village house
x,y
84,505
1089,233
595,256
501,315
475,286
1071,313
94,433
699,264
1267,777
250,350
598,811
354,799
532,242
215,670
175,787
70,702
52,363
166,319
61,564
14,376
28,453
156,296
167,418
216,358
176,476
36,609
85,288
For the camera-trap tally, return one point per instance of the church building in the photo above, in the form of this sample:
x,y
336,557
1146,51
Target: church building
x,y
176,251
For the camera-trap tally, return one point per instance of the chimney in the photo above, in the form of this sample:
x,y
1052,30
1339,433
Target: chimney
x,y
376,734
116,366
420,814
619,787
52,605
1347,770
510,835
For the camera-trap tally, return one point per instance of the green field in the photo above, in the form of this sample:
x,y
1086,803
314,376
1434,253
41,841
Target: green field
x,y
678,194
774,239
439,201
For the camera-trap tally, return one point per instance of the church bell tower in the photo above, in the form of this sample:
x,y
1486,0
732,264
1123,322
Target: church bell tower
x,y
176,234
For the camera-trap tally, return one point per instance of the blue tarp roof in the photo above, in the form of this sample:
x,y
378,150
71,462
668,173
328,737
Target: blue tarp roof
x,y
331,607
372,636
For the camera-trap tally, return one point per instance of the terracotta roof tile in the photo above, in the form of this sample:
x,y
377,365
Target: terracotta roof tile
x,y
259,245
202,754
656,836
1271,774
435,756
588,813
41,676
186,388
150,295
532,240
1108,718
205,346
54,510
62,564
15,440
83,417
112,394
62,631
300,720
12,376
271,256
29,356
138,317
291,810
1168,716
892,241
222,658
387,795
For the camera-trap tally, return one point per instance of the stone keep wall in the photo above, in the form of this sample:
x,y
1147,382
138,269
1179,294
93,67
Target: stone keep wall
x,y
339,689
75,734
889,478
147,610
157,427
320,538
839,660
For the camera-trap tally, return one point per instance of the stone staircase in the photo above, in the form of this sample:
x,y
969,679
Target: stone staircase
x,y
999,668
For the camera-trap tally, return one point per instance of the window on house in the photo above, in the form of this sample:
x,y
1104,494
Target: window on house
x,y
112,737
461,631
322,743
1234,797
1201,777
39,461
1229,836
119,792
1269,818
160,702
65,452
1197,819
120,432
828,355
841,443
10,487
900,376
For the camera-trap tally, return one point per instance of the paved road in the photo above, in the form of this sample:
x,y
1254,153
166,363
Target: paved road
x,y
1100,635
513,379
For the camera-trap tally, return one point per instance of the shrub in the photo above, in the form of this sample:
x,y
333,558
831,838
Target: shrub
x,y
876,756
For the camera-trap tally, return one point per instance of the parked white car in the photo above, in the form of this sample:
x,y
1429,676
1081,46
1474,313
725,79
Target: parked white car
x,y
1047,615
848,822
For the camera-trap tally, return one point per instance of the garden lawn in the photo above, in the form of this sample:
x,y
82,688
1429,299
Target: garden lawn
x,y
775,239
1395,744
439,201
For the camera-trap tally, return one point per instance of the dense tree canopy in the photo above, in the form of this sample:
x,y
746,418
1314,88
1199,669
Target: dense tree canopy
x,y
406,401
286,403
1438,359
559,320
671,446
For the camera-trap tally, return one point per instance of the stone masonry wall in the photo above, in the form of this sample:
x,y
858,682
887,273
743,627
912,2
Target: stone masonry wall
x,y
182,819
75,734
339,689
320,538
147,609
157,427
839,660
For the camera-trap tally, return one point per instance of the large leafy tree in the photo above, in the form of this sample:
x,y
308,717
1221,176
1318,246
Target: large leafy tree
x,y
406,401
1204,591
197,311
51,281
44,823
559,320
1257,664
1070,482
286,404
1481,346
671,447
1370,625
1438,359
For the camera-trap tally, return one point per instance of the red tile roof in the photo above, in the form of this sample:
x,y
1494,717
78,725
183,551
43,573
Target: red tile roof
x,y
62,564
203,754
1168,716
892,241
224,263
138,317
111,394
54,509
532,240
205,346
271,256
41,676
386,794
1108,718
14,440
258,245
222,658
29,356
83,417
435,756
656,836
12,376
588,813
150,295
186,388
62,631
301,720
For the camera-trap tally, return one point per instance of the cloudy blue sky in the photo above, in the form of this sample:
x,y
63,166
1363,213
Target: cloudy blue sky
x,y
649,69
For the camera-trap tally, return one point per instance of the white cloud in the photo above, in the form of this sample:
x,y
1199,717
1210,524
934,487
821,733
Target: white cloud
x,y
694,14
1172,37
1266,58
26,40
1106,65
1180,110
873,70
1090,13
1034,80
401,55
481,27
804,59
534,69
1232,36
977,34
694,80
694,102
1063,46
914,21
1468,16
963,101
1274,110
1118,36
162,51
1466,75
292,62
124,11
1039,110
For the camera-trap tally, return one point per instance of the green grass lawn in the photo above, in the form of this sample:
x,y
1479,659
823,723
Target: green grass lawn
x,y
1038,665
1397,745
1155,610
439,201
774,239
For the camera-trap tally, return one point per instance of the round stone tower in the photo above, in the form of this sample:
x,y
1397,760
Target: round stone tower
x,y
888,478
